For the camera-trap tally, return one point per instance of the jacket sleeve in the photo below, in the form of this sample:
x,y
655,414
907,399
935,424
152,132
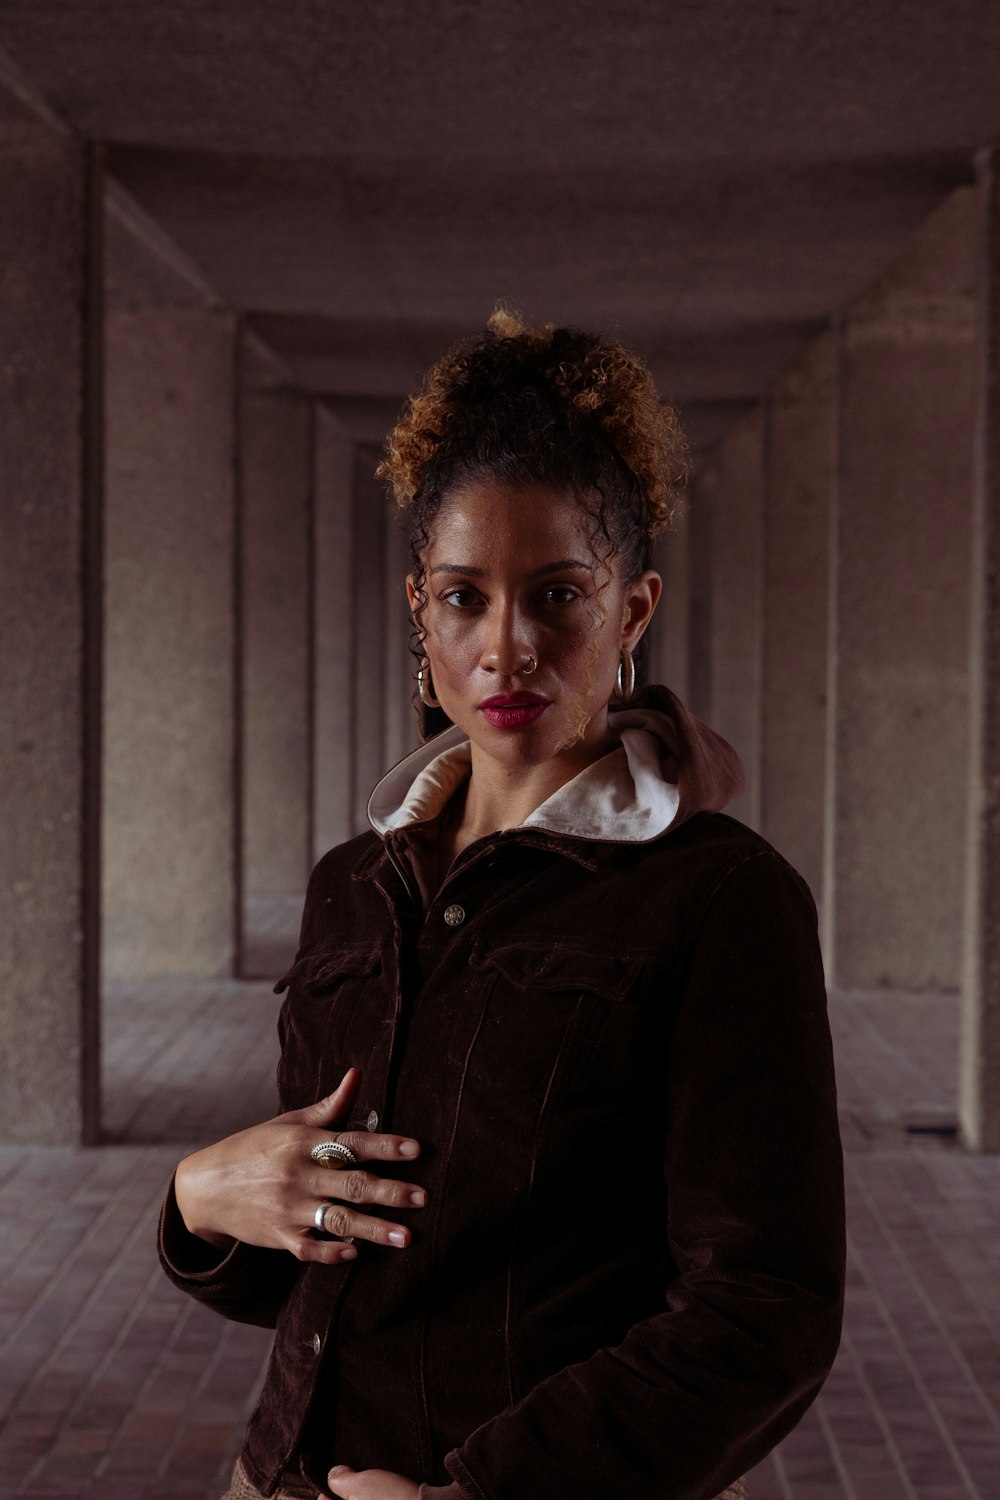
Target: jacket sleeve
x,y
698,1393
248,1284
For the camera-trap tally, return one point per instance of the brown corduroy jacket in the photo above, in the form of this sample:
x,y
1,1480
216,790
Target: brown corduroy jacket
x,y
628,1280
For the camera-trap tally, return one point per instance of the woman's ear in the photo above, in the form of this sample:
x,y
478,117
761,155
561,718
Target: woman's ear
x,y
411,591
641,599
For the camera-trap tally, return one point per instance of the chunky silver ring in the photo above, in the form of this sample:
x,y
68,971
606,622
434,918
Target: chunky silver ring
x,y
319,1222
333,1154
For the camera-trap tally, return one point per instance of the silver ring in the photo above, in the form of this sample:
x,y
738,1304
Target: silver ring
x,y
319,1222
333,1154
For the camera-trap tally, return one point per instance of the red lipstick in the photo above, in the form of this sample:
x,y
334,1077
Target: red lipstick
x,y
513,710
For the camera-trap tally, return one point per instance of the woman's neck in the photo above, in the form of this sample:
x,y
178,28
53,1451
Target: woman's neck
x,y
497,797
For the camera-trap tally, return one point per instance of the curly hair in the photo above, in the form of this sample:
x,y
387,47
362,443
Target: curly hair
x,y
551,405
557,406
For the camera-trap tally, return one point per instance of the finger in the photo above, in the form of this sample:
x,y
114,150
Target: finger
x,y
341,1481
347,1223
305,1246
374,1146
351,1185
325,1113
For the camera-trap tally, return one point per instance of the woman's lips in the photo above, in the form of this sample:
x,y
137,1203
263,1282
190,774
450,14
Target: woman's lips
x,y
513,710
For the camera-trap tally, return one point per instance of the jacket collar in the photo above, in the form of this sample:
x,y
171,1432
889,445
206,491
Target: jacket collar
x,y
667,766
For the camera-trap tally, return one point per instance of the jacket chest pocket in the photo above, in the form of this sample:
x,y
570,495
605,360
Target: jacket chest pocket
x,y
332,1016
553,1016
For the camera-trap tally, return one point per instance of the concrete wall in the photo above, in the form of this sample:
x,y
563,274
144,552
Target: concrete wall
x,y
276,491
401,722
801,476
49,624
169,871
334,635
868,596
908,404
701,508
737,601
669,641
370,519
979,1047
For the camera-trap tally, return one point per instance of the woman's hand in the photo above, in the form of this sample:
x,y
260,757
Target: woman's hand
x,y
261,1186
370,1484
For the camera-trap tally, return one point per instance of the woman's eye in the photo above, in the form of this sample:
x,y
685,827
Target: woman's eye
x,y
560,593
459,597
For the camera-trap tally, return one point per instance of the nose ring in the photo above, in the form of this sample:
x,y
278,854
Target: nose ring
x,y
529,667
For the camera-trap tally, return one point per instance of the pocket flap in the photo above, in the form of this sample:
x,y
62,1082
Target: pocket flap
x,y
316,972
554,966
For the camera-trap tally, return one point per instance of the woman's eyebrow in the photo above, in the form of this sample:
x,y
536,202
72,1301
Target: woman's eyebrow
x,y
552,567
559,567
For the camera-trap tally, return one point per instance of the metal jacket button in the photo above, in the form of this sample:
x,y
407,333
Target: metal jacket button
x,y
317,1343
372,1121
454,915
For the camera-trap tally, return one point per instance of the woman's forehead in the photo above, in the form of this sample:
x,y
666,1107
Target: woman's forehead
x,y
521,521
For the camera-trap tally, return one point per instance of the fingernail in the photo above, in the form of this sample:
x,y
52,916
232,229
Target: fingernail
x,y
418,1199
409,1148
397,1237
348,1253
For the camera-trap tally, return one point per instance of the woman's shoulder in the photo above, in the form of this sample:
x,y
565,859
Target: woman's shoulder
x,y
343,862
712,850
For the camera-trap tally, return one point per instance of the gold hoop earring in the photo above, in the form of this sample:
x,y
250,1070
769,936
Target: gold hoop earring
x,y
625,680
424,685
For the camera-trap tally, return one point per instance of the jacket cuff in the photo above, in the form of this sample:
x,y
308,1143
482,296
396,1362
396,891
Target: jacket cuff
x,y
462,1487
186,1255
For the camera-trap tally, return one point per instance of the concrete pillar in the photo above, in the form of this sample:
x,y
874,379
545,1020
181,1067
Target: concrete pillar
x,y
401,723
276,493
700,539
979,1061
737,577
50,627
669,642
801,471
169,793
334,635
908,393
370,508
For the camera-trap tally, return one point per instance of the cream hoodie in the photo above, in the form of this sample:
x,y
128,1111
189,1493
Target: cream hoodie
x,y
667,766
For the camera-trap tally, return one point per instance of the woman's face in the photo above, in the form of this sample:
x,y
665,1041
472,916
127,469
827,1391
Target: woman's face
x,y
511,575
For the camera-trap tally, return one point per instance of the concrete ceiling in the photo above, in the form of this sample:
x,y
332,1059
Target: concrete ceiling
x,y
710,179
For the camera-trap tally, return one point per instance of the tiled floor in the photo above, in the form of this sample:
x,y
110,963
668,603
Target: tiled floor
x,y
113,1386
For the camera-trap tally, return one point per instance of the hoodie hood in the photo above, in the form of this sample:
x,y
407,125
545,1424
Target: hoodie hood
x,y
667,766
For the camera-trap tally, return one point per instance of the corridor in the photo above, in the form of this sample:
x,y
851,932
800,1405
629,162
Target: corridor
x,y
232,239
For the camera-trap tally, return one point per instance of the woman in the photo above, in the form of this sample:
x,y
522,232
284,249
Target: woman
x,y
564,1019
